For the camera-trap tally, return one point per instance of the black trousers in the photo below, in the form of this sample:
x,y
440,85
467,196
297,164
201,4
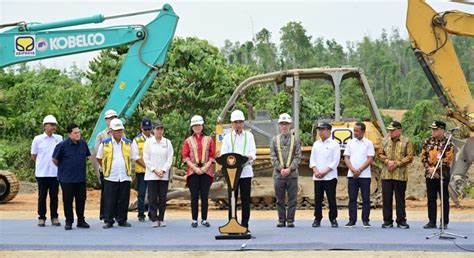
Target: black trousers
x,y
157,191
354,184
71,192
45,185
141,189
245,187
389,187
102,197
116,200
199,186
432,190
330,188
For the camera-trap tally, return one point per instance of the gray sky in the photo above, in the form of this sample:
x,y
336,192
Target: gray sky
x,y
217,21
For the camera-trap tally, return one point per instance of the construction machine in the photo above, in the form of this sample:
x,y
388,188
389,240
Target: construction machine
x,y
265,127
22,42
430,36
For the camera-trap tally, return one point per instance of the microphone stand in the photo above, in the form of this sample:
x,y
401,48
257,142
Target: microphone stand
x,y
443,234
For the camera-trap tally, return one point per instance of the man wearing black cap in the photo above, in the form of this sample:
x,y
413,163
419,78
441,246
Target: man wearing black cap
x,y
325,157
431,152
137,146
395,154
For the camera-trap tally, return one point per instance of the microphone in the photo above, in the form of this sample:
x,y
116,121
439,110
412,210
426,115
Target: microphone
x,y
454,129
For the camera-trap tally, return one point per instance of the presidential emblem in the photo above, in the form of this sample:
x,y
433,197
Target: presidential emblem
x,y
231,160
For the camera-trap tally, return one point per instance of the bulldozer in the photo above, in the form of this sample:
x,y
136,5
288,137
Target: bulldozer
x,y
264,128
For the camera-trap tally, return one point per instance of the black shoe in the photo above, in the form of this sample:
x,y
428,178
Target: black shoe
x,y
445,226
83,224
205,223
107,226
281,224
141,219
429,225
194,224
290,224
125,224
334,223
366,224
387,225
350,224
68,226
403,225
316,223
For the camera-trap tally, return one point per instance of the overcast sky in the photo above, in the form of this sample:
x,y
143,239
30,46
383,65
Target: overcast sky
x,y
217,21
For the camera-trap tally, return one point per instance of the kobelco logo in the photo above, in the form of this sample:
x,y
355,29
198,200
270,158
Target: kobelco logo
x,y
89,40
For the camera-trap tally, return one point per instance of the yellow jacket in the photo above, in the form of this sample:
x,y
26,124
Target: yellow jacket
x,y
108,155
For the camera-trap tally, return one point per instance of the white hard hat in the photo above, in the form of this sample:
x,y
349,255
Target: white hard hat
x,y
284,118
197,120
116,124
49,119
110,113
237,115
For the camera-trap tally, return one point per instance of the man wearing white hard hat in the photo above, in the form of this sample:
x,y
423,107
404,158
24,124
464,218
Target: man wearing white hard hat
x,y
285,154
109,115
115,155
243,143
46,172
198,153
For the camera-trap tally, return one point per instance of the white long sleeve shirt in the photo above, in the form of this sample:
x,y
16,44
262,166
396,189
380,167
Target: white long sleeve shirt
x,y
243,144
325,154
159,156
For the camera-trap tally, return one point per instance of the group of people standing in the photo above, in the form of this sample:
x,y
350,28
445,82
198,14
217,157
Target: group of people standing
x,y
63,163
395,154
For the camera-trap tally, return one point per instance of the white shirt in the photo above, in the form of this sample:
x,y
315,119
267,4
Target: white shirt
x,y
358,152
43,147
241,148
158,155
325,154
118,172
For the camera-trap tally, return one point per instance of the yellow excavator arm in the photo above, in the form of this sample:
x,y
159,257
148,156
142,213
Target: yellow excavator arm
x,y
430,39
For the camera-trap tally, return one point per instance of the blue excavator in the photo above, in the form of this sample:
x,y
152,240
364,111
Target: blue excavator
x,y
22,42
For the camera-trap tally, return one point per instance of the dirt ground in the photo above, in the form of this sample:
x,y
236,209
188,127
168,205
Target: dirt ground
x,y
396,114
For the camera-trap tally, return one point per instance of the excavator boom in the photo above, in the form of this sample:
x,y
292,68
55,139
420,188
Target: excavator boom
x,y
149,45
430,39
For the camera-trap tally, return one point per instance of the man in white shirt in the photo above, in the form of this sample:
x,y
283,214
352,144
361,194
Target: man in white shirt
x,y
46,172
137,146
243,143
115,156
325,156
358,156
